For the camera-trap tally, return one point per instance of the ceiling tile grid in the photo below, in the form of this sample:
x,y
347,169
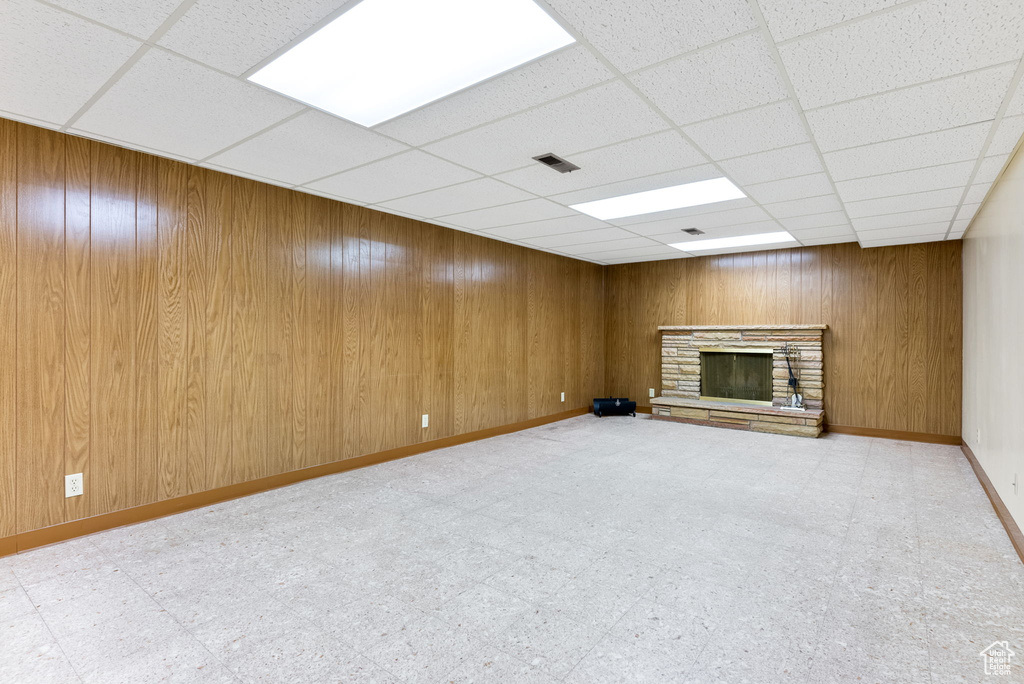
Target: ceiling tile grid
x,y
878,121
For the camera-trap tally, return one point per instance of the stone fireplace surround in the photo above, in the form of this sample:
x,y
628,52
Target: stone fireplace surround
x,y
680,377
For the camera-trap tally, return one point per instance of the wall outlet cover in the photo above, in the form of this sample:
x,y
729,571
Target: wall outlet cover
x,y
73,485
426,420
563,396
650,393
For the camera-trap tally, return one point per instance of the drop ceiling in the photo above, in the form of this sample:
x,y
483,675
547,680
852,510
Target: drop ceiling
x,y
877,121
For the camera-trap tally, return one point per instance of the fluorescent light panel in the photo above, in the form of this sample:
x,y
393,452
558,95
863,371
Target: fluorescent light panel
x,y
733,242
663,199
383,58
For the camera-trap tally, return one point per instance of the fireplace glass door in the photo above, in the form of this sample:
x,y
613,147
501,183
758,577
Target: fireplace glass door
x,y
736,375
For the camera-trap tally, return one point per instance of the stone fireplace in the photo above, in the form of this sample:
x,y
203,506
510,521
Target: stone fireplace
x,y
738,377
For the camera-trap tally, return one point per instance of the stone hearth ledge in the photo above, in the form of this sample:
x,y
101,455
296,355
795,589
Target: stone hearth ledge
x,y
739,416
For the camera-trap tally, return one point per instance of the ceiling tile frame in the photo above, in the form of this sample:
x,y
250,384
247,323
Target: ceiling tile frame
x,y
1013,92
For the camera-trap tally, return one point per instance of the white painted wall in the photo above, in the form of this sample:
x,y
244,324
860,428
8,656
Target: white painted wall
x,y
994,336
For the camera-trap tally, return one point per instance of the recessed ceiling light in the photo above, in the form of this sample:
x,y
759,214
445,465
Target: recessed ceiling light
x,y
383,58
738,241
663,199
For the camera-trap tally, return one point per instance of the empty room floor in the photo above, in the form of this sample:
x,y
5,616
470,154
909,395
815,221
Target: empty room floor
x,y
589,550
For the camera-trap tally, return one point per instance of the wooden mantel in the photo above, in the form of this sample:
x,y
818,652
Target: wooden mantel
x,y
678,328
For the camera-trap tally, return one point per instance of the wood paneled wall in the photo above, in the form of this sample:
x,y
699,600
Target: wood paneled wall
x,y
892,351
168,329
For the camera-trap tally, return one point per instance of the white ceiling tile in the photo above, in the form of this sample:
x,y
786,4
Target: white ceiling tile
x,y
165,102
755,130
323,193
812,185
243,174
408,173
236,38
990,168
52,62
977,193
956,101
838,240
799,160
131,16
636,260
904,231
718,232
580,238
909,240
804,207
509,214
906,182
721,79
308,147
638,158
827,232
790,18
620,246
932,199
550,77
908,218
1016,105
720,213
1008,134
626,187
967,211
597,117
955,235
659,250
569,224
638,33
930,149
826,220
920,42
476,194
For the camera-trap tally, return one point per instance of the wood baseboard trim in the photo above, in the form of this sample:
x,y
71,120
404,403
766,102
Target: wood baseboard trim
x,y
901,435
1002,512
159,509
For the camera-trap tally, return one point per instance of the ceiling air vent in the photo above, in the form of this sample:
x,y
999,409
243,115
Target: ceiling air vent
x,y
693,231
557,163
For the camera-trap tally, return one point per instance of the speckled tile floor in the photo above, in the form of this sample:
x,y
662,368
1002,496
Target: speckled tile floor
x,y
586,551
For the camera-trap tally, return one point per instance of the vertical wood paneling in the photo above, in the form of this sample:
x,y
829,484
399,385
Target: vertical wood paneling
x,y
197,276
892,352
77,319
9,399
114,289
147,355
218,226
249,332
173,329
40,329
172,325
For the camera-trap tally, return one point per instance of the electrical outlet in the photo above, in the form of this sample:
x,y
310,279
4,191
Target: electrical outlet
x,y
563,396
650,393
73,485
426,420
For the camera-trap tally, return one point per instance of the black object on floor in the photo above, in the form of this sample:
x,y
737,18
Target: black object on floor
x,y
614,406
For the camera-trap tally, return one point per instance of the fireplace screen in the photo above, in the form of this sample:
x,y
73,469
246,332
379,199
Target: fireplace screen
x,y
736,375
